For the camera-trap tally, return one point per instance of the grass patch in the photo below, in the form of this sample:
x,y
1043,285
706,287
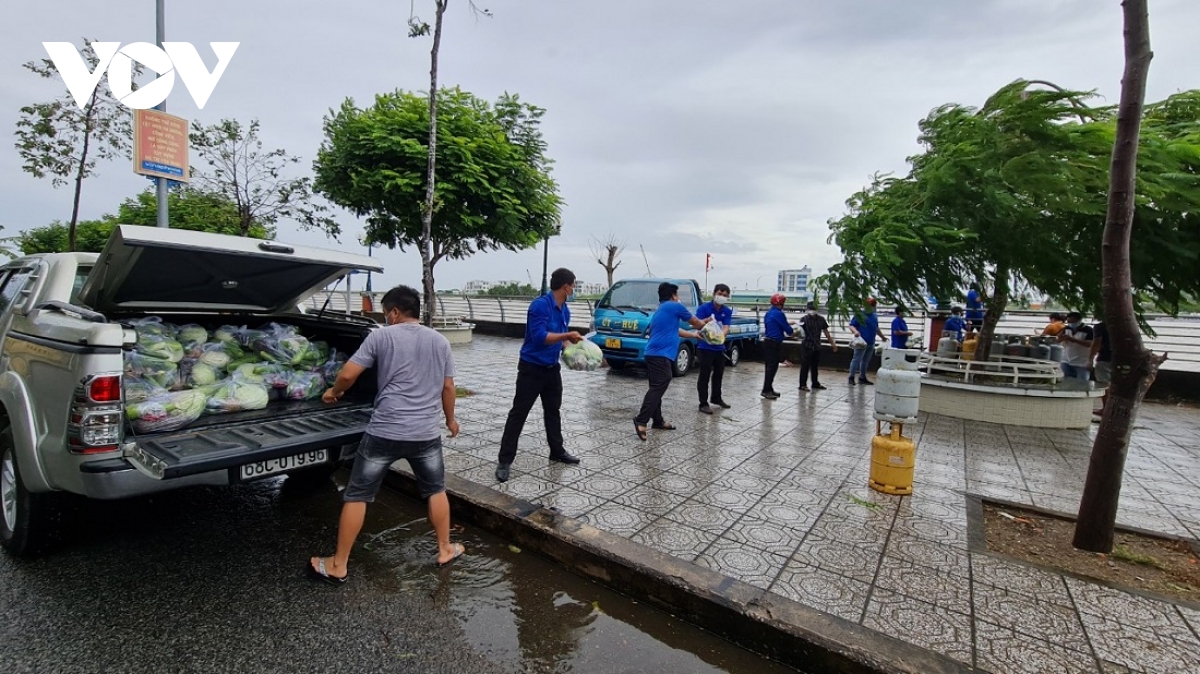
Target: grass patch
x,y
1126,555
866,504
460,392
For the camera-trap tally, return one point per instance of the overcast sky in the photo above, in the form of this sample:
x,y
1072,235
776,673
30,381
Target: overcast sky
x,y
682,126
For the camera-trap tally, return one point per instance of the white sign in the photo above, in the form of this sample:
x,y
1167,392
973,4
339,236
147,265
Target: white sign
x,y
117,61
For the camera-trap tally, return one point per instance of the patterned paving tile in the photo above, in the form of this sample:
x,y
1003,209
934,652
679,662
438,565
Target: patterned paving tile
x,y
632,471
602,485
938,531
1001,650
764,535
1026,580
850,560
675,484
1042,620
946,558
932,627
822,590
618,519
524,486
703,516
675,539
836,527
721,496
1139,649
935,586
747,564
745,483
774,510
1132,610
570,502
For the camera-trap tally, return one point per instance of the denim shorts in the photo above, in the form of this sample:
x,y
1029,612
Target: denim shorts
x,y
375,455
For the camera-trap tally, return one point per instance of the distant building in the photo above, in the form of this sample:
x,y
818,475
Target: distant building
x,y
794,281
477,287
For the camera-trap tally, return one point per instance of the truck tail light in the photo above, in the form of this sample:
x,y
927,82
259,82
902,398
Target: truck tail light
x,y
96,422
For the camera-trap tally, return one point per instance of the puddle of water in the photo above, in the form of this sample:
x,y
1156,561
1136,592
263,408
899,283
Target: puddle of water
x,y
524,611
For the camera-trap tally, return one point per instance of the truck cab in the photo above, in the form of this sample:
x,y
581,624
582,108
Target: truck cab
x,y
621,321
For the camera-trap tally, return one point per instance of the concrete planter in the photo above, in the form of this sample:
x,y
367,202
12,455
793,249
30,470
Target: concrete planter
x,y
454,330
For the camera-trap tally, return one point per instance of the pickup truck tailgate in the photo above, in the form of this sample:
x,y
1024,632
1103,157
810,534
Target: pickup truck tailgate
x,y
189,452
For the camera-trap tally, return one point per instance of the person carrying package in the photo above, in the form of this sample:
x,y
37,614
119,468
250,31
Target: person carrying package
x,y
660,354
712,356
775,328
813,325
865,326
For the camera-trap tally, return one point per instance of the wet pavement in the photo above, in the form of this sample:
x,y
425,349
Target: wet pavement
x,y
773,493
211,580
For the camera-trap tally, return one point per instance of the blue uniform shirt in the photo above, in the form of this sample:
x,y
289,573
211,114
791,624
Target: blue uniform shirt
x,y
974,306
956,325
721,316
868,326
664,329
543,318
899,341
775,324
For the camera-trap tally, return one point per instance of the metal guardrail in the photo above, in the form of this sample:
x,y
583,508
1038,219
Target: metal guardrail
x,y
1179,337
1015,369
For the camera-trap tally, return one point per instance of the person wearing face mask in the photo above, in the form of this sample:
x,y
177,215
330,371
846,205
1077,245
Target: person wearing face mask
x,y
712,356
812,326
1076,338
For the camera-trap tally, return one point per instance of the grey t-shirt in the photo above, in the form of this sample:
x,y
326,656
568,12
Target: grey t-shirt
x,y
412,362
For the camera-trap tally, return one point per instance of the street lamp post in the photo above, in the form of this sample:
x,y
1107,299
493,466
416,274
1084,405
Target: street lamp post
x,y
545,261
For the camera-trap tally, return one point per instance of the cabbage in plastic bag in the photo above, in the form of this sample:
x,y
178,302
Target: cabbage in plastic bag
x,y
583,355
138,390
168,412
160,346
152,325
191,336
712,333
331,367
233,395
157,371
216,354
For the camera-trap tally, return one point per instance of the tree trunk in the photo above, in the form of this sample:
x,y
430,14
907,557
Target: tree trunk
x,y
1134,367
87,137
993,310
427,209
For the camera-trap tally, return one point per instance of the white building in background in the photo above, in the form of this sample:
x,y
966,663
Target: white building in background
x,y
477,287
589,289
794,281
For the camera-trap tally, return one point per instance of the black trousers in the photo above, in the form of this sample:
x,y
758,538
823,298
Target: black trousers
x,y
712,364
533,381
810,356
771,349
659,372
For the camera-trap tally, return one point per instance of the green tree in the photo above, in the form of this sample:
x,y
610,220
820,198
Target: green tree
x,y
514,289
191,209
494,189
62,141
255,180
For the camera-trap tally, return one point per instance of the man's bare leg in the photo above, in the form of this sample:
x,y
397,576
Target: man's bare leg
x,y
350,524
439,517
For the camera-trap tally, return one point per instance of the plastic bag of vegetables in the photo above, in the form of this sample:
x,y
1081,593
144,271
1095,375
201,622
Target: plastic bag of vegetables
x,y
138,390
157,371
216,354
234,395
152,325
305,386
167,412
584,355
274,376
191,336
196,373
712,333
330,368
160,346
316,354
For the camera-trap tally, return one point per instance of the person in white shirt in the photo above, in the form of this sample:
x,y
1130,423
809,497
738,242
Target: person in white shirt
x,y
1076,339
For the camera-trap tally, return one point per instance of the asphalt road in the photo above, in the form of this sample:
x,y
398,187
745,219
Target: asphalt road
x,y
211,580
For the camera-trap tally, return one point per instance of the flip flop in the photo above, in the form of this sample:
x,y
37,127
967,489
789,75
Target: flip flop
x,y
458,552
640,430
322,574
665,427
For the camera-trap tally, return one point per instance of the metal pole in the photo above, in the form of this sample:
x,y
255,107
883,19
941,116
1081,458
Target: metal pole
x,y
160,35
545,261
369,249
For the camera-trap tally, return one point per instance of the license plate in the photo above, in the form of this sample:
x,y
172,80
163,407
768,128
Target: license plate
x,y
611,343
252,471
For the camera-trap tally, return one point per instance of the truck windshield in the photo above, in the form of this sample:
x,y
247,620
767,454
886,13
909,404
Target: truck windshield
x,y
81,274
632,295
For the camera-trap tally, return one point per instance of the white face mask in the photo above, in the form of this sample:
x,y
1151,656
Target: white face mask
x,y
812,312
720,300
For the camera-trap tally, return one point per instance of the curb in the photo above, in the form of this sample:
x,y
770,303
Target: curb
x,y
779,628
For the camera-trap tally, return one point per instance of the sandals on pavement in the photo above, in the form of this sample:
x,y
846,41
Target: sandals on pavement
x,y
458,552
322,574
664,427
640,430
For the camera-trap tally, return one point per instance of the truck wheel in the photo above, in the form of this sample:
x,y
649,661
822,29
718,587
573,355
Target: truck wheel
x,y
617,364
26,525
683,361
735,354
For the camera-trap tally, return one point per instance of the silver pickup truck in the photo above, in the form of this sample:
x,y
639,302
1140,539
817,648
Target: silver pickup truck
x,y
66,321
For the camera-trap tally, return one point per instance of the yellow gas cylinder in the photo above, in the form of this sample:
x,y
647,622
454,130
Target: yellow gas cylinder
x,y
968,347
892,459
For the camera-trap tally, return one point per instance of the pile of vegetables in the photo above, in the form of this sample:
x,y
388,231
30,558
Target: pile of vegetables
x,y
712,333
583,355
174,374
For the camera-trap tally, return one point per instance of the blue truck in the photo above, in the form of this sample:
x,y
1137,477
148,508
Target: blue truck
x,y
622,317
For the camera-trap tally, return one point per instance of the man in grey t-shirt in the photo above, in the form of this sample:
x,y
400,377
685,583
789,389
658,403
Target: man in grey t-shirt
x,y
415,381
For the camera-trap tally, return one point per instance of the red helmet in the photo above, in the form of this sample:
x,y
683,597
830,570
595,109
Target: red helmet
x,y
778,299
871,301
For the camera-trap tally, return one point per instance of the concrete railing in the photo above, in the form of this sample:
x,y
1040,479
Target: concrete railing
x,y
1180,337
1010,370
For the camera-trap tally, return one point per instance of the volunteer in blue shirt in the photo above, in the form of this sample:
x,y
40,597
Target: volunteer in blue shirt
x,y
865,325
546,328
775,328
660,355
955,325
712,356
900,331
975,308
